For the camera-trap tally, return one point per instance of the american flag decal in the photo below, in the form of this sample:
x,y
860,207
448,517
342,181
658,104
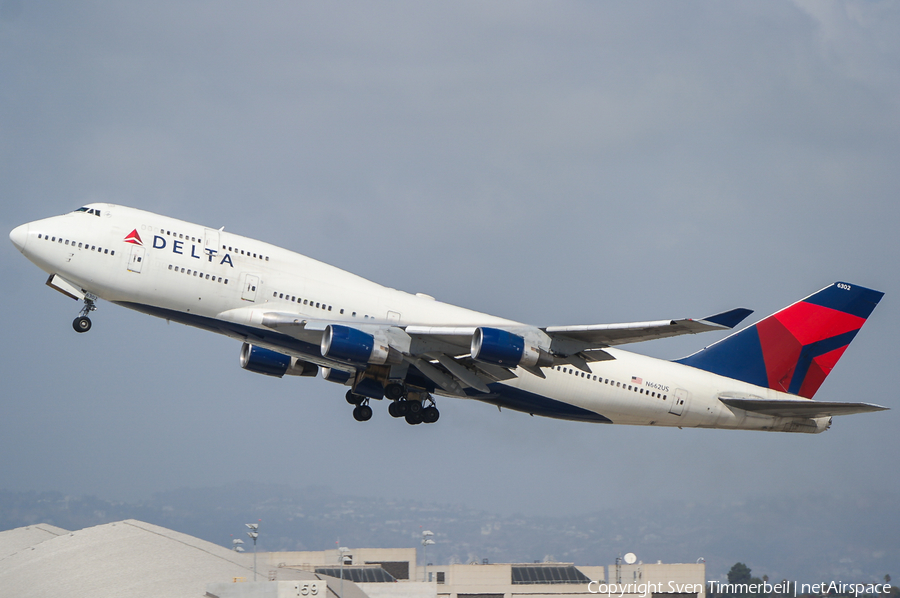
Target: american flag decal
x,y
636,380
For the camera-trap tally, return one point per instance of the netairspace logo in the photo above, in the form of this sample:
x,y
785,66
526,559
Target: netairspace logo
x,y
785,588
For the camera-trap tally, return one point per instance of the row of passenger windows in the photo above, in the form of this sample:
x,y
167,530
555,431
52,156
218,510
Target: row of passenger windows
x,y
310,302
197,273
173,234
183,236
602,380
81,245
248,254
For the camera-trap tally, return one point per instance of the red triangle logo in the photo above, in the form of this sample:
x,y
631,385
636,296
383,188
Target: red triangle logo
x,y
134,238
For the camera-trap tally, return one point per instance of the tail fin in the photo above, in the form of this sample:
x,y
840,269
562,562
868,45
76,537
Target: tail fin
x,y
794,349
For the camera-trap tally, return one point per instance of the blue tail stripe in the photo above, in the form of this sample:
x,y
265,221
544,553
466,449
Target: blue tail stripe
x,y
810,352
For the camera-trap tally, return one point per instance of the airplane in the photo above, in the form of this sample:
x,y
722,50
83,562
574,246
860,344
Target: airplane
x,y
297,316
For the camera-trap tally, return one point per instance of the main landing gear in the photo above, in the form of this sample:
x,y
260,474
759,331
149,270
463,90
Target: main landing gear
x,y
361,410
83,323
414,411
415,408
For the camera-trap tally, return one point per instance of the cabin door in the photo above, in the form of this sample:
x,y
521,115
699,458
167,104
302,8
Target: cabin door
x,y
248,293
137,258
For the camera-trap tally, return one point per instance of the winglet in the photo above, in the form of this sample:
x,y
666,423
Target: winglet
x,y
731,318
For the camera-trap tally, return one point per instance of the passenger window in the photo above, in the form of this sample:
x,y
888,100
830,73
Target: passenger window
x,y
281,295
79,246
170,266
53,239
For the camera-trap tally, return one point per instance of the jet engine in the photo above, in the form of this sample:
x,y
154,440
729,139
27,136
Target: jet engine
x,y
272,363
501,347
356,346
337,376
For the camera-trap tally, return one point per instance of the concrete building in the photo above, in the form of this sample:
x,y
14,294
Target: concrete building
x,y
132,559
393,573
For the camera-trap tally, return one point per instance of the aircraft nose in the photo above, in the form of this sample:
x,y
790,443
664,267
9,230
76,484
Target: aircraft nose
x,y
19,236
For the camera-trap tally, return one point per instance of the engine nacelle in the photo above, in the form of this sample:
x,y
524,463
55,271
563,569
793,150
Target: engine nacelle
x,y
501,347
356,346
273,363
337,376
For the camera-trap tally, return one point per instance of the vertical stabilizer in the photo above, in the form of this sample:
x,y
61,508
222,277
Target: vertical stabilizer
x,y
794,349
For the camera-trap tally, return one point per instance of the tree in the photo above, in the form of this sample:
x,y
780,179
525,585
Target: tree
x,y
739,573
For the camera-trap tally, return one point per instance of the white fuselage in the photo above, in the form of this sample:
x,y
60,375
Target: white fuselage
x,y
202,276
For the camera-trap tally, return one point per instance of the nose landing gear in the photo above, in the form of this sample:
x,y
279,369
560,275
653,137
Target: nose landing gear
x,y
83,323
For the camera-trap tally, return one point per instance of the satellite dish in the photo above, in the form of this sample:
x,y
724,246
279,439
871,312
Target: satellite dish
x,y
630,558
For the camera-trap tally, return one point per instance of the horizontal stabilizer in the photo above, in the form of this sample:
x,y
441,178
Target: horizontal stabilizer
x,y
799,407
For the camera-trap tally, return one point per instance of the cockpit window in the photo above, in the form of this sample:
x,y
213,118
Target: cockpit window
x,y
89,211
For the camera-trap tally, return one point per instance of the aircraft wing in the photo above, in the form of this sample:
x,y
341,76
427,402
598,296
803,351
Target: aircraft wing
x,y
799,407
441,353
599,336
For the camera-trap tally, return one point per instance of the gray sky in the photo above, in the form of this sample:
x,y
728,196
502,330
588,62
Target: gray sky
x,y
555,163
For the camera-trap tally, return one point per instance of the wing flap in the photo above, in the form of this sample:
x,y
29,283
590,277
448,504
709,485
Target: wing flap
x,y
799,407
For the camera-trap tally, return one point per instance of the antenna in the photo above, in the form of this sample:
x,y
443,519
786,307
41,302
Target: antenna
x,y
630,558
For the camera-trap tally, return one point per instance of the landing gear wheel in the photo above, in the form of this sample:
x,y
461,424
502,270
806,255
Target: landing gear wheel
x,y
398,408
414,417
414,406
430,415
394,391
362,413
81,324
353,398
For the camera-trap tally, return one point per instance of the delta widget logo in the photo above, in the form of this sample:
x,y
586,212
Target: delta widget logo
x,y
134,238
